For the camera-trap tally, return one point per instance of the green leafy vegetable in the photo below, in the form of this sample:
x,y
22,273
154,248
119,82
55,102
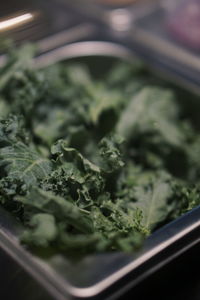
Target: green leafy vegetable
x,y
91,164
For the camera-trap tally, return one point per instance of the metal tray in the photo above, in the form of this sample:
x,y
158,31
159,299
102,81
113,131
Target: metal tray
x,y
100,276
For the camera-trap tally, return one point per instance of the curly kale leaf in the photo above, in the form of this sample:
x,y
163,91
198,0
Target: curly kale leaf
x,y
154,202
110,153
152,109
47,202
83,178
18,61
17,159
43,230
12,130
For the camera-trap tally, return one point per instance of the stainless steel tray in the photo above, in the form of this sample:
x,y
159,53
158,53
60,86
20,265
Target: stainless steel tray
x,y
102,276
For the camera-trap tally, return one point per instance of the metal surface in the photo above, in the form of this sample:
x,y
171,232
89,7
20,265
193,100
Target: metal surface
x,y
81,49
49,24
102,276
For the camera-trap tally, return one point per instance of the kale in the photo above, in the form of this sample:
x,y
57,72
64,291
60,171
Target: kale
x,y
93,164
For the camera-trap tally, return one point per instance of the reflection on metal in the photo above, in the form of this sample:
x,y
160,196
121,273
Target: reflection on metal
x,y
81,49
65,37
15,21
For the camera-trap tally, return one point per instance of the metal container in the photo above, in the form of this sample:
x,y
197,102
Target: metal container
x,y
100,276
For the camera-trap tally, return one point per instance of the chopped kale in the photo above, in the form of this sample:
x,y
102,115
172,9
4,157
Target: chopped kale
x,y
87,164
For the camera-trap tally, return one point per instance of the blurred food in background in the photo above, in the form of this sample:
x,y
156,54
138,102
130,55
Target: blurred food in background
x,y
184,23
